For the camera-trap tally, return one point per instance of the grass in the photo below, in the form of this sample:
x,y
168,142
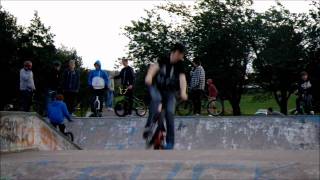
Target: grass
x,y
250,103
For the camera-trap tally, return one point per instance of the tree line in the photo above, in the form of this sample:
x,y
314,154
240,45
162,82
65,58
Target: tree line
x,y
237,45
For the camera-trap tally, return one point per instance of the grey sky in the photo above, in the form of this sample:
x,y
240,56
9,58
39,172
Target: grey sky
x,y
93,28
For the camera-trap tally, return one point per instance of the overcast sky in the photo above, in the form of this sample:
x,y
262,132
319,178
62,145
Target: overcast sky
x,y
93,28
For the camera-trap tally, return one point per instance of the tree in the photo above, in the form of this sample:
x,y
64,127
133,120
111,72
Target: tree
x,y
280,56
9,34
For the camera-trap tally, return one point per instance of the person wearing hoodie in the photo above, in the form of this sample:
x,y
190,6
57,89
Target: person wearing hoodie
x,y
98,82
57,111
27,86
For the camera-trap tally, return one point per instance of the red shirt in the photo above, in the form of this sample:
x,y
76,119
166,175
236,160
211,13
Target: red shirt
x,y
213,92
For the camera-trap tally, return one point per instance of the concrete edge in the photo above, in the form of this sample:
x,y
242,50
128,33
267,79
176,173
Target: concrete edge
x,y
3,113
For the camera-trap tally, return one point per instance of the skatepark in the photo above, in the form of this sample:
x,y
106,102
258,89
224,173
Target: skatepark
x,y
246,147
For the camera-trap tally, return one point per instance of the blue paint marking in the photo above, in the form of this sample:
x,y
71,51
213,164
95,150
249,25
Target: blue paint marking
x,y
199,168
257,173
132,130
175,171
136,172
85,173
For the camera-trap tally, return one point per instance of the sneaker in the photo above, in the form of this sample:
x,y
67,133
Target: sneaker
x,y
197,114
168,146
73,115
110,109
312,112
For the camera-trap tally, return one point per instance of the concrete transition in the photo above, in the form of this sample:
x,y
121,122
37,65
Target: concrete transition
x,y
206,148
26,131
203,133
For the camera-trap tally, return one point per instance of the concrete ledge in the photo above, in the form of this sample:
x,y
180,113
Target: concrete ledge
x,y
21,131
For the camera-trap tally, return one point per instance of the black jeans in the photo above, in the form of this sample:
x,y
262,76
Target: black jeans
x,y
100,93
62,127
307,100
168,101
26,100
71,100
196,100
129,103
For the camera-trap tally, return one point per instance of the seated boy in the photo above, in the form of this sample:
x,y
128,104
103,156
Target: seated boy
x,y
57,111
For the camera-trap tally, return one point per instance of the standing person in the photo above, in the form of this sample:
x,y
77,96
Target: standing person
x,y
57,111
304,94
197,85
170,77
27,86
71,86
127,80
110,93
212,90
53,82
98,82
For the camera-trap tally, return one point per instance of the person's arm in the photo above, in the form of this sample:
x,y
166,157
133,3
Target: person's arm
x,y
202,78
183,86
66,112
119,75
152,71
32,82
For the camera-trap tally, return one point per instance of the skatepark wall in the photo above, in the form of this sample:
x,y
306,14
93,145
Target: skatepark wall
x,y
204,133
20,131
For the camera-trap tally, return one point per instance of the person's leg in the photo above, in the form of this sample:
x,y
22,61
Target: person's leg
x,y
67,99
110,99
193,99
298,105
29,100
129,103
73,102
198,101
154,104
101,94
23,100
170,104
62,128
93,98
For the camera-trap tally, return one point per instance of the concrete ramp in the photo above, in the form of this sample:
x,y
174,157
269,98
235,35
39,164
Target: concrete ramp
x,y
21,131
203,133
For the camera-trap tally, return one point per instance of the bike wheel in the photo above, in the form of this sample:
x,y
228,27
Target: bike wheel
x,y
69,135
184,108
119,109
215,108
141,109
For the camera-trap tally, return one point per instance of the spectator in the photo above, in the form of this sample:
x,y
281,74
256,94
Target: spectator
x,y
127,80
110,94
53,82
27,86
197,86
304,94
98,83
71,86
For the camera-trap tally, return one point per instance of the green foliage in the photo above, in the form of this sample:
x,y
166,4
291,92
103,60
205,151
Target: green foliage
x,y
228,36
34,43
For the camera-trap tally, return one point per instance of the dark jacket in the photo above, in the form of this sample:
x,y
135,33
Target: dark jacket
x,y
126,75
54,80
71,81
304,87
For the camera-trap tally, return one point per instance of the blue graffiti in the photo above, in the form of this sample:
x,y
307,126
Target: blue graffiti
x,y
175,171
200,168
136,172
